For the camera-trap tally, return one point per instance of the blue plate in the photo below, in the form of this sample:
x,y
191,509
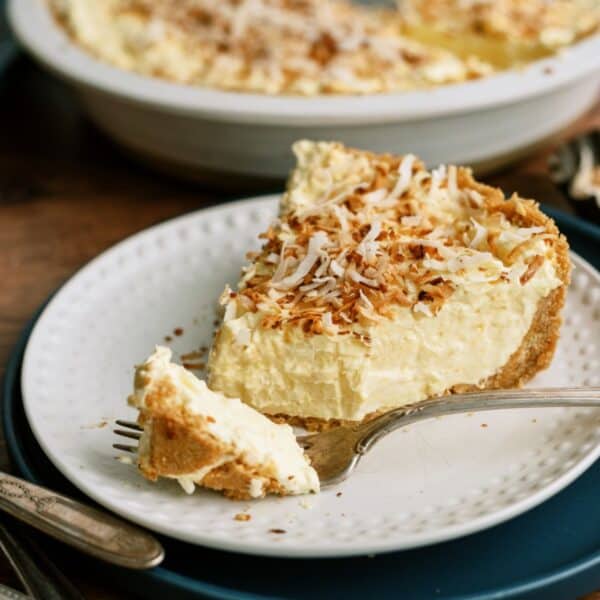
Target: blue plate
x,y
551,552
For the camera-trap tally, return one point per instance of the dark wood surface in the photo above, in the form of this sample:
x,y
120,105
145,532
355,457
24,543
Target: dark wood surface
x,y
67,193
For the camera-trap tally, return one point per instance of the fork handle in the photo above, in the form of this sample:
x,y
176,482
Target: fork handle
x,y
88,529
372,431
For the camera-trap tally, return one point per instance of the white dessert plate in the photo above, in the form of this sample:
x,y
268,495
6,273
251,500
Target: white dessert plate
x,y
197,131
435,481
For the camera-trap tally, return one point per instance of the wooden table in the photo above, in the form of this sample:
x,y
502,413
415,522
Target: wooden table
x,y
67,193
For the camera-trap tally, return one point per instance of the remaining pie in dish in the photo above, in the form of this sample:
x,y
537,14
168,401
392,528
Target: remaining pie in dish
x,y
302,47
502,32
201,437
310,47
382,284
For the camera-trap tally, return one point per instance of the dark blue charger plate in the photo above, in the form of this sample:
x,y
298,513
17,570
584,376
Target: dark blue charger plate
x,y
551,552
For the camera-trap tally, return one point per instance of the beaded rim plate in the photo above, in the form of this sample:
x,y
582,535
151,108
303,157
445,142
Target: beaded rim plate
x,y
435,481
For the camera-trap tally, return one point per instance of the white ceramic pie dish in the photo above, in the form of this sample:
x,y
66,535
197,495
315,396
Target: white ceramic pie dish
x,y
483,123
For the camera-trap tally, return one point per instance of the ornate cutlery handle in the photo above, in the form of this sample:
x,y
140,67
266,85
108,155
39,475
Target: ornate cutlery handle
x,y
374,430
90,530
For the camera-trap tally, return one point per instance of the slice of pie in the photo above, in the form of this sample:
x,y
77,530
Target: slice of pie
x,y
382,284
504,33
202,438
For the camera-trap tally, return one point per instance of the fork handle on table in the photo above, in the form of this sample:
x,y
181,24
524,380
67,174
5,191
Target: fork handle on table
x,y
88,529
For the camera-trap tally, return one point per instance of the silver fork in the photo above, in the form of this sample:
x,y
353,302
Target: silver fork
x,y
334,454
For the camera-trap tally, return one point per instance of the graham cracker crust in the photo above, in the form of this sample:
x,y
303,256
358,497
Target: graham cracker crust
x,y
178,444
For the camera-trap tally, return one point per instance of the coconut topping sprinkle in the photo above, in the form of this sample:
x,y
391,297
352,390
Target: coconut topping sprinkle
x,y
361,236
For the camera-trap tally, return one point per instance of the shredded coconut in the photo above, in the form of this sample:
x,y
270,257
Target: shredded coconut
x,y
348,258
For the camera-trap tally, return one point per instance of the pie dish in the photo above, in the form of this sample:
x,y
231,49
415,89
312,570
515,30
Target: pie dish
x,y
202,132
382,284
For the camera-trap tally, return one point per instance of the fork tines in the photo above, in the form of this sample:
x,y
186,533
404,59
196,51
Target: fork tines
x,y
134,434
129,424
125,448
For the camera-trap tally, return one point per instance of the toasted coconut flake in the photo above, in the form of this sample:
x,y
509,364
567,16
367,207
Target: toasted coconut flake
x,y
452,182
328,324
365,300
342,216
437,177
283,263
532,269
460,262
423,308
230,311
412,221
514,237
368,247
316,283
480,236
475,196
315,245
358,278
376,196
404,176
336,268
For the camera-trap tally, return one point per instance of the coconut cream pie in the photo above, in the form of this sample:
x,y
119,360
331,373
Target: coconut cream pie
x,y
311,47
382,284
304,47
502,32
200,437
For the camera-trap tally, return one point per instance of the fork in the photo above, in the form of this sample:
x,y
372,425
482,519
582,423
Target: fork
x,y
335,453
